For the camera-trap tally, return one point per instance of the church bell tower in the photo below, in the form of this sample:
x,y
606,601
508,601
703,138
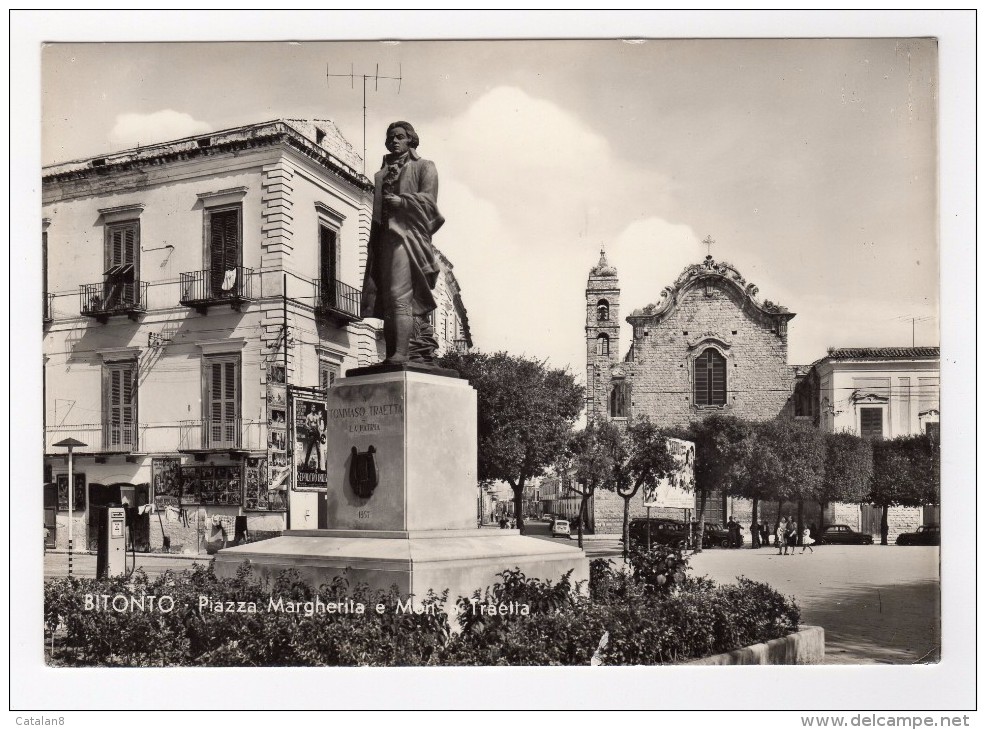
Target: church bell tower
x,y
602,334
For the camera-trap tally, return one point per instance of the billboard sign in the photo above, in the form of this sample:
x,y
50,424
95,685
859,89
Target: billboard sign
x,y
308,423
678,488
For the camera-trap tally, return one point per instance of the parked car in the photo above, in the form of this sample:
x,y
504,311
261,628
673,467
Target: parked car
x,y
926,535
662,532
560,527
715,535
843,535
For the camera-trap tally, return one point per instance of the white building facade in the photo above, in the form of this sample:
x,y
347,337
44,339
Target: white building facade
x,y
189,287
877,393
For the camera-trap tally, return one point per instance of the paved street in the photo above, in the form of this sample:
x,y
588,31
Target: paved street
x,y
84,566
878,605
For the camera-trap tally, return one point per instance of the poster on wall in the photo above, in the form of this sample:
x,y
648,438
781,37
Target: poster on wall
x,y
78,489
166,482
259,495
190,485
678,488
221,485
277,433
308,423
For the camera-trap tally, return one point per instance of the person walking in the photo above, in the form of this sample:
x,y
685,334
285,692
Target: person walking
x,y
733,527
806,541
792,534
764,534
781,537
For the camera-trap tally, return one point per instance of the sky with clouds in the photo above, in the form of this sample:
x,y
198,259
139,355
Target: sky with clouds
x,y
812,163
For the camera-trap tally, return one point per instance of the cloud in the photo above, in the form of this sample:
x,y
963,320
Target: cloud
x,y
649,255
550,175
530,192
132,129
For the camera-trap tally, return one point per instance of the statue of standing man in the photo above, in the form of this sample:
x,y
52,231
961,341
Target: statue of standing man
x,y
401,267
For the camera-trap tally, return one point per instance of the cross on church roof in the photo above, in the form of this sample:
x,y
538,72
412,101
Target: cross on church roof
x,y
708,241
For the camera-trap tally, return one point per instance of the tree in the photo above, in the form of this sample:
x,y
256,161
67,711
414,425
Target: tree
x,y
526,413
717,438
848,471
747,476
595,455
786,460
647,461
906,473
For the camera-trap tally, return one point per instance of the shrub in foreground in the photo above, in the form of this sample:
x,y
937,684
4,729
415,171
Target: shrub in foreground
x,y
654,613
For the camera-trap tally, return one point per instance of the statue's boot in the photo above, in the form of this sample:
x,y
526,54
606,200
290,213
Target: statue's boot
x,y
401,324
389,336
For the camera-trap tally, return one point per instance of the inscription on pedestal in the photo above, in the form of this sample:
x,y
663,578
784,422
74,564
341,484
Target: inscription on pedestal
x,y
422,429
366,455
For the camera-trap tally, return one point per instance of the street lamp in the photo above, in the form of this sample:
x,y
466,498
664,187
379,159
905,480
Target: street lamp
x,y
70,444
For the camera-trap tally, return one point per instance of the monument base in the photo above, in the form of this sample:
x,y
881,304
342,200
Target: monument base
x,y
404,367
461,561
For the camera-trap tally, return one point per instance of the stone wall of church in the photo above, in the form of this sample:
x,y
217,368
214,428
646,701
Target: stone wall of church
x,y
608,513
759,380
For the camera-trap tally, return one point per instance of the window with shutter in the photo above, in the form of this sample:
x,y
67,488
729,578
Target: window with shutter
x,y
44,273
710,378
328,251
222,403
224,251
120,409
871,423
602,344
327,374
120,279
619,399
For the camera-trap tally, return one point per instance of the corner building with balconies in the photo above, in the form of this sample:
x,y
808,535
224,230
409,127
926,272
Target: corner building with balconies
x,y
187,286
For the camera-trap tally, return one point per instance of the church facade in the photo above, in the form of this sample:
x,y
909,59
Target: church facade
x,y
711,345
708,345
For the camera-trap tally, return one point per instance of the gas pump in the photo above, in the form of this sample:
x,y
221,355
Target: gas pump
x,y
111,553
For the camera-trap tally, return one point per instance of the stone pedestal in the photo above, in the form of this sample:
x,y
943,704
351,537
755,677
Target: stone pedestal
x,y
423,432
416,528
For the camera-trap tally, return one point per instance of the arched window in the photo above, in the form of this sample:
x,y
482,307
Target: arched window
x,y
619,399
710,378
602,311
602,344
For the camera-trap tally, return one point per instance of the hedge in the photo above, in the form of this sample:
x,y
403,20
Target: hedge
x,y
652,614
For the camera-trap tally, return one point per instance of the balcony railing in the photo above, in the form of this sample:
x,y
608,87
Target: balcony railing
x,y
234,434
113,297
204,289
100,438
461,346
336,299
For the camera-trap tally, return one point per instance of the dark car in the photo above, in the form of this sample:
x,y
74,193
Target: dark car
x,y
926,535
662,532
843,535
715,535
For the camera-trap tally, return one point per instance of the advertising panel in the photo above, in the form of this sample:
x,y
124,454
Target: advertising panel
x,y
308,422
678,488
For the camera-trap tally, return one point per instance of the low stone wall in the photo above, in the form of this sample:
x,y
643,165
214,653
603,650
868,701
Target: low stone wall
x,y
807,646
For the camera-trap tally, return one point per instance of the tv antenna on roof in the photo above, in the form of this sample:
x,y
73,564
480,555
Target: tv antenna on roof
x,y
376,77
905,317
